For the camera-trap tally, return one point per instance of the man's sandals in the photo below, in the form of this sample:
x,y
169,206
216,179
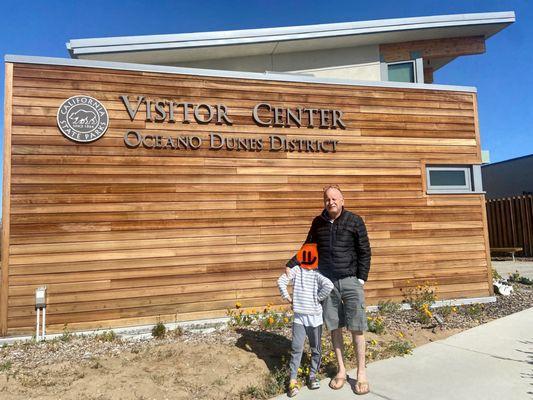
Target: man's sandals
x,y
337,382
361,387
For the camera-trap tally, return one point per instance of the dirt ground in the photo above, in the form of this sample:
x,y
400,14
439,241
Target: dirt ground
x,y
230,363
167,371
177,370
172,369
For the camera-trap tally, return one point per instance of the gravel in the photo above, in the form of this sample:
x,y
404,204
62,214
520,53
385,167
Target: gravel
x,y
468,316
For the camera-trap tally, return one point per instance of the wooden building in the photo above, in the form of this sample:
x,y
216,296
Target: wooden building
x,y
139,193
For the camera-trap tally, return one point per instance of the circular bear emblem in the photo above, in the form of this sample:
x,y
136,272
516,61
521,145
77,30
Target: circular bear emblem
x,y
82,119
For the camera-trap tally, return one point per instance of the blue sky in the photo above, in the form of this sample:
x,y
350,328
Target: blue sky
x,y
502,75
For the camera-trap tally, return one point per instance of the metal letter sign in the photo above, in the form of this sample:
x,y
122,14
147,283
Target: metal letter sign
x,y
82,119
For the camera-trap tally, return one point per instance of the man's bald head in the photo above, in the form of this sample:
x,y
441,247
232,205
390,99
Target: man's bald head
x,y
333,187
333,201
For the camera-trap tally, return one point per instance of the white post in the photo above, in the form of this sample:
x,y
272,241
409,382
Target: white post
x,y
44,323
38,318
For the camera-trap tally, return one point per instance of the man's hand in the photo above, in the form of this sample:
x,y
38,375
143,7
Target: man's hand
x,y
288,300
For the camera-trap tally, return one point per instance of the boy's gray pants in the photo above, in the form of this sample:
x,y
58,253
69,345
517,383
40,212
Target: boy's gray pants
x,y
298,340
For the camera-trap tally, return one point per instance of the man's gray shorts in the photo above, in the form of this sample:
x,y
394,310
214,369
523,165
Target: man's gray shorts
x,y
345,306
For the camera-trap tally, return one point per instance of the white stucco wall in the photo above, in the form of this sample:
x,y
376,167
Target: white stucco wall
x,y
358,63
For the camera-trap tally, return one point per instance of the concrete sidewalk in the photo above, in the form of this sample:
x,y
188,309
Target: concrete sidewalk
x,y
505,268
491,361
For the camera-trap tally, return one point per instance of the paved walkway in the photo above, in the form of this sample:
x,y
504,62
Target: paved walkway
x,y
490,361
504,268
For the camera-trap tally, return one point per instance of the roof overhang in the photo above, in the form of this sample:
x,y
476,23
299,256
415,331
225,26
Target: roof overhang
x,y
279,77
168,49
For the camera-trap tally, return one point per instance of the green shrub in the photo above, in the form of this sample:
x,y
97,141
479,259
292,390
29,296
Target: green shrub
x,y
159,330
474,311
447,311
269,318
389,307
106,336
515,277
421,298
274,384
376,324
66,336
400,347
175,333
495,275
5,366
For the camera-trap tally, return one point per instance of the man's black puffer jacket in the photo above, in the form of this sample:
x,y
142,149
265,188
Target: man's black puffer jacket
x,y
343,246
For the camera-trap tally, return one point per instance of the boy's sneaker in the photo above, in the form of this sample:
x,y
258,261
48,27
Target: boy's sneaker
x,y
293,390
314,384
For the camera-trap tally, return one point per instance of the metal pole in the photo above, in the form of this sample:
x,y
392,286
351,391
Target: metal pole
x,y
38,318
44,323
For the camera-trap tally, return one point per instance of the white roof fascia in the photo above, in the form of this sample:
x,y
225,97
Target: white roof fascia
x,y
227,74
250,36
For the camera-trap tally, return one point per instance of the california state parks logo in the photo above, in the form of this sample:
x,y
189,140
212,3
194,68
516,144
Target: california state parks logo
x,y
82,119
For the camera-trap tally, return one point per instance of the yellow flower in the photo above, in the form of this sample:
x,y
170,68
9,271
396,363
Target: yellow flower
x,y
400,334
238,305
373,342
253,311
454,309
286,320
271,320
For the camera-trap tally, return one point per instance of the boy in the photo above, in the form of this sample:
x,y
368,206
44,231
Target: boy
x,y
309,290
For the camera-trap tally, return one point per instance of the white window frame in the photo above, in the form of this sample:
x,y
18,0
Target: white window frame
x,y
418,69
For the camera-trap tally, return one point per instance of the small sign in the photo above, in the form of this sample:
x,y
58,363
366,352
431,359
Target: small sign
x,y
308,256
82,119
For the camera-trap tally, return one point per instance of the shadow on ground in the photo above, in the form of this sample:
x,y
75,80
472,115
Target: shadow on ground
x,y
274,349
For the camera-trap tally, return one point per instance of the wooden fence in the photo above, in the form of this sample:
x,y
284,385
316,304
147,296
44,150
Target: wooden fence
x,y
510,223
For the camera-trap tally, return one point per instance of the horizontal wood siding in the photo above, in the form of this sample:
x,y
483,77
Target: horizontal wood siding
x,y
126,236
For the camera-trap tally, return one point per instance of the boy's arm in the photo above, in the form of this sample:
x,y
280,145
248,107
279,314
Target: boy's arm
x,y
284,280
325,286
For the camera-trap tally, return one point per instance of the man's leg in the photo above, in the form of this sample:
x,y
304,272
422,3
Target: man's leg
x,y
354,305
334,318
338,348
360,350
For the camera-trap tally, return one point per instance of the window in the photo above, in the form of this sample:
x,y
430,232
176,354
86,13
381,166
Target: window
x,y
453,179
402,72
410,71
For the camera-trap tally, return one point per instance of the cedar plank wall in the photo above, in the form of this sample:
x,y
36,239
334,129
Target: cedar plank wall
x,y
129,236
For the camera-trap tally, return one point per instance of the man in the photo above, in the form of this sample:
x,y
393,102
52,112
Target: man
x,y
344,258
